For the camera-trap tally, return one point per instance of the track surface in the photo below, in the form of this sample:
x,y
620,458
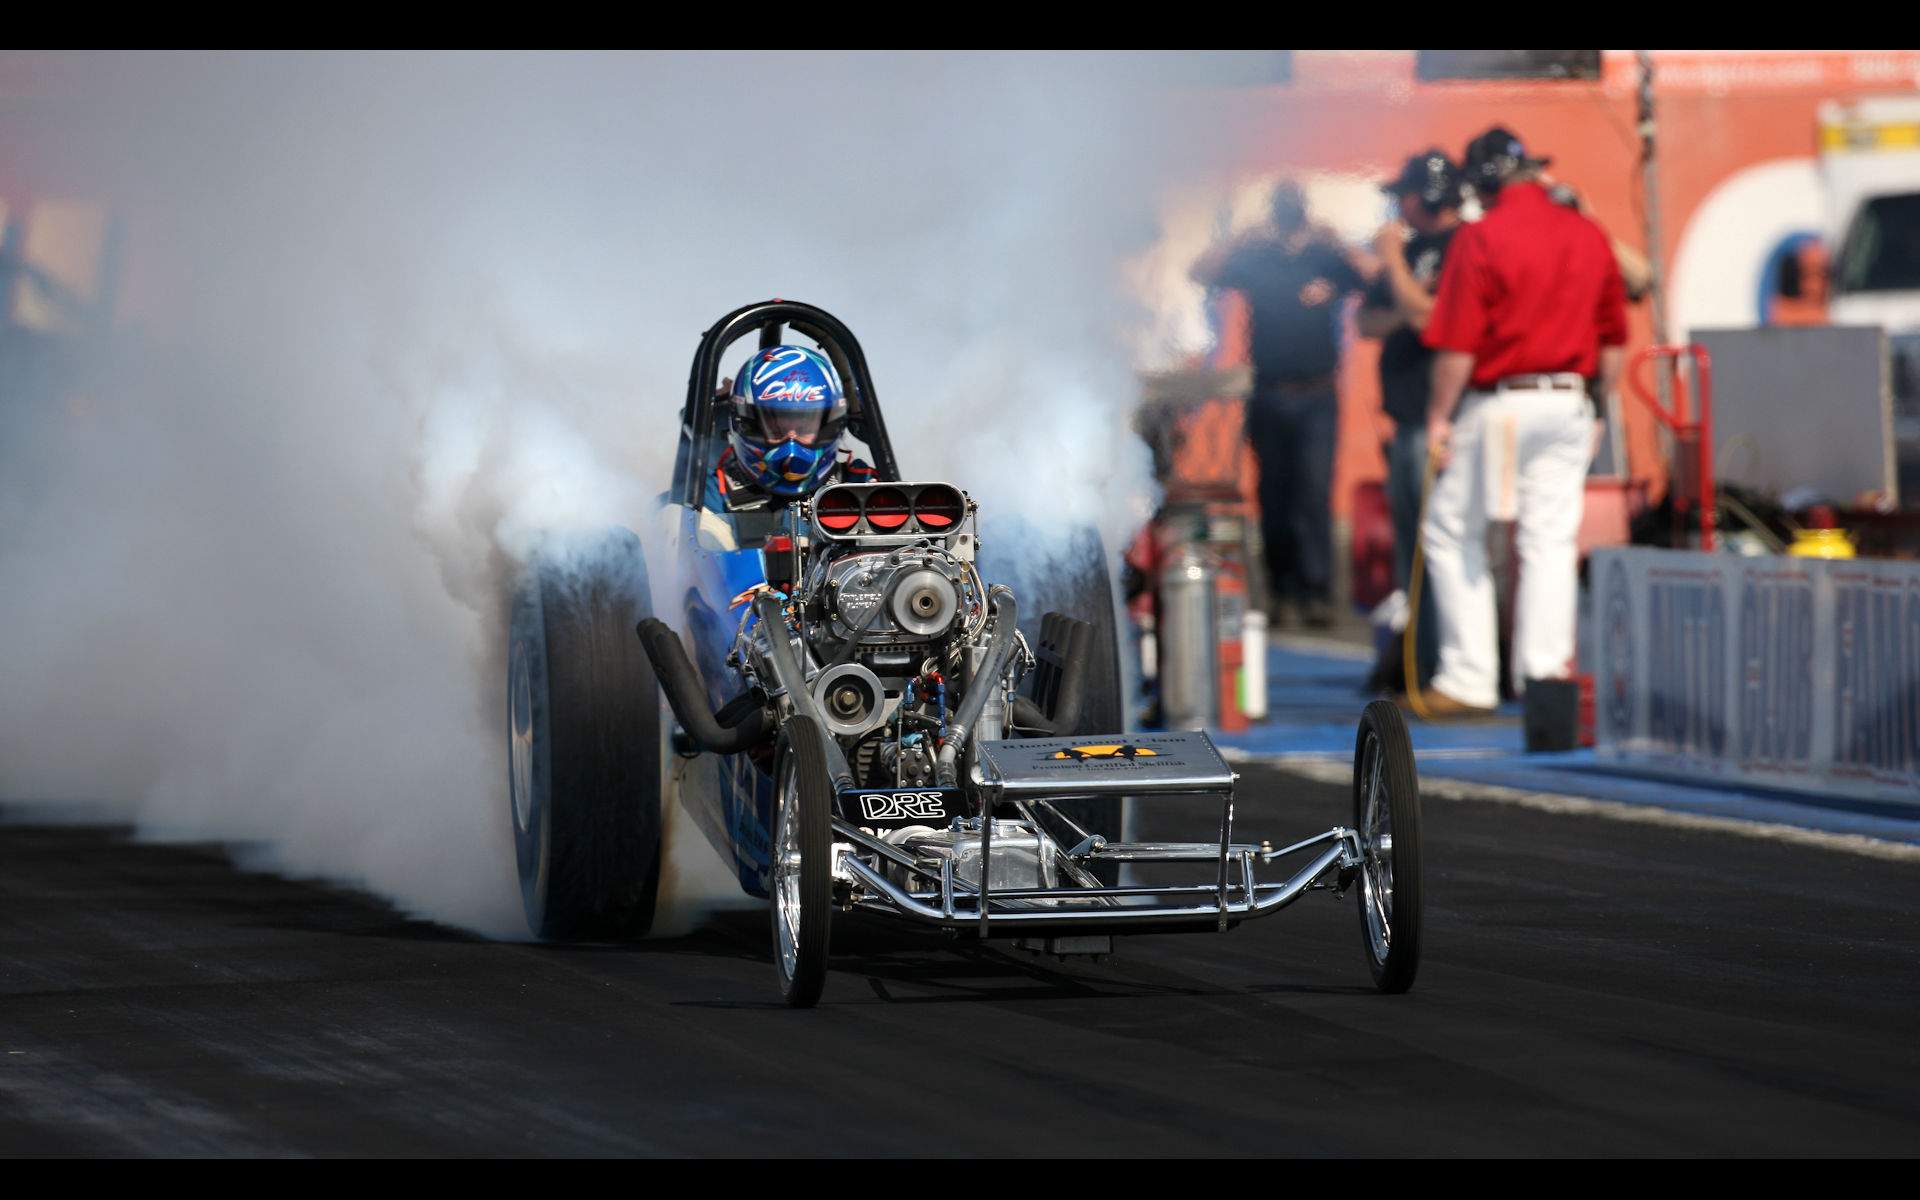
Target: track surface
x,y
1589,987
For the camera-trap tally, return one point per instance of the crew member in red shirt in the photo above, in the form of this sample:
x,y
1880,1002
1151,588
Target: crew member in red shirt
x,y
1530,308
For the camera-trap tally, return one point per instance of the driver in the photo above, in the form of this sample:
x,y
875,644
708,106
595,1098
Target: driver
x,y
788,411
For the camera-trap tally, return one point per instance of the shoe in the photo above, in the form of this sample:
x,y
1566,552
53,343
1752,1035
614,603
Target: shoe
x,y
1389,675
1442,707
1316,614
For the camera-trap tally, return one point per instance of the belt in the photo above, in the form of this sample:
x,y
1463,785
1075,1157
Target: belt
x,y
1293,383
1565,381
1295,386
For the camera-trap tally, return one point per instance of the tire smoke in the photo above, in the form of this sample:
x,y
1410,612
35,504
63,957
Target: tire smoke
x,y
388,318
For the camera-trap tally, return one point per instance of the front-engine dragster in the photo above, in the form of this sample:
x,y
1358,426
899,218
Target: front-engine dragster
x,y
864,725
908,757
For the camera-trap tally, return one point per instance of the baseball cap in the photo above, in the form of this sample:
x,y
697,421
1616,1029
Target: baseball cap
x,y
1497,153
1431,175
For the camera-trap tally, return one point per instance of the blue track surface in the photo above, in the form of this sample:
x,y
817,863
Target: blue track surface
x,y
1314,697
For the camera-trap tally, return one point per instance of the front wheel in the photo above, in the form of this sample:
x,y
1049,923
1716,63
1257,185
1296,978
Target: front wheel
x,y
1386,812
801,880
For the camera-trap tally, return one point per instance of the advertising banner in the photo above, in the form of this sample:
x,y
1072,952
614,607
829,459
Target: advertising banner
x,y
1792,673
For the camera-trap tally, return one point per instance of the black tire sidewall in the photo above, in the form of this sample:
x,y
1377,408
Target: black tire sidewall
x,y
1074,579
1401,781
589,854
527,650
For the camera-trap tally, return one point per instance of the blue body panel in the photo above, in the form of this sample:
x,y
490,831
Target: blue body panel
x,y
740,827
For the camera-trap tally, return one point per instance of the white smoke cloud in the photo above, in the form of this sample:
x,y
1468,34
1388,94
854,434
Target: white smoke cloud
x,y
417,309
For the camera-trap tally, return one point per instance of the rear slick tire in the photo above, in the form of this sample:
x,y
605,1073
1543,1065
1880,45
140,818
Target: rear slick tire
x,y
800,876
1071,577
1386,814
583,727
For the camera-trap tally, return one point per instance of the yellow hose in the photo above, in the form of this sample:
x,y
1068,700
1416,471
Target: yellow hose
x,y
1410,637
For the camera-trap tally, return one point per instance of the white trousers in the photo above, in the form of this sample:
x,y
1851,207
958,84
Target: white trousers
x,y
1518,455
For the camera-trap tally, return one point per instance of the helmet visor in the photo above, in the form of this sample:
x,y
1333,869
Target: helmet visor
x,y
808,424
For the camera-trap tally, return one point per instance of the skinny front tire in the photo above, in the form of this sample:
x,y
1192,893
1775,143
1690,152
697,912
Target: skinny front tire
x,y
1386,813
801,873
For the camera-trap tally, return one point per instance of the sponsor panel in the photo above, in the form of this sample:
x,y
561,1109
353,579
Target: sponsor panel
x,y
1687,661
1792,673
1615,672
1876,627
1775,698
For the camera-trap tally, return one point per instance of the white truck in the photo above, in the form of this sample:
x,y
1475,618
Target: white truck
x,y
1870,168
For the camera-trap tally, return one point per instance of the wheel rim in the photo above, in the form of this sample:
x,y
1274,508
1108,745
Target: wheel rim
x,y
1376,836
520,736
786,872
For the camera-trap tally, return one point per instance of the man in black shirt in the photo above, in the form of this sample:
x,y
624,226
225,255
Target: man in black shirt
x,y
1395,311
1293,276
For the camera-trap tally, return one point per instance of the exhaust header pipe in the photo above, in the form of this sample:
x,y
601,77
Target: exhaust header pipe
x,y
682,686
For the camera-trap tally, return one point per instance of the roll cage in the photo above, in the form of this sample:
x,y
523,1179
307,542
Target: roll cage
x,y
703,421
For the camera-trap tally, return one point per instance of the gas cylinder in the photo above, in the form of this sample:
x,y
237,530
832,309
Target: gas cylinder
x,y
1189,644
1253,672
1229,623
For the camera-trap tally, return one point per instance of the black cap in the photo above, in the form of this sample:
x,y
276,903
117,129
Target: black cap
x,y
1432,176
1496,154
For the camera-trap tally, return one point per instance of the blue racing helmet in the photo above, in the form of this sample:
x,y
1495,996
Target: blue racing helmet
x,y
788,414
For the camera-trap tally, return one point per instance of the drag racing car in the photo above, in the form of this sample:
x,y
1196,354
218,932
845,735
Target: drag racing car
x,y
866,707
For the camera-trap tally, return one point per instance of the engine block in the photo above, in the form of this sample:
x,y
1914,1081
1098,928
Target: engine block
x,y
893,619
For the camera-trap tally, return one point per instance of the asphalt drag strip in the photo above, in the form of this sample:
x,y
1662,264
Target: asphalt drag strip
x,y
1589,986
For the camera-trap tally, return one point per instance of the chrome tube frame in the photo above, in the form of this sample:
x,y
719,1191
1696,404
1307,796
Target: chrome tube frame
x,y
959,907
1185,764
